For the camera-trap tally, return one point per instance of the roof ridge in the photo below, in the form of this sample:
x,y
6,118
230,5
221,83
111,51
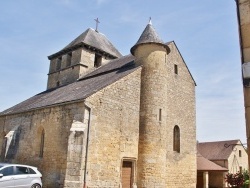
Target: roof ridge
x,y
219,141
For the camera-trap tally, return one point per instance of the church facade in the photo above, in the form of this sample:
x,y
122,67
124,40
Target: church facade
x,y
108,120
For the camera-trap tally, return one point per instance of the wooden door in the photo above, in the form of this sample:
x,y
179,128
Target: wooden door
x,y
127,174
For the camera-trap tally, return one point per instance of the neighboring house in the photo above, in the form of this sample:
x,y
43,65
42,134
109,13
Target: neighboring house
x,y
108,120
209,174
229,154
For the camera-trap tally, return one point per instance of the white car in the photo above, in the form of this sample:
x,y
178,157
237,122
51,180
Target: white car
x,y
17,175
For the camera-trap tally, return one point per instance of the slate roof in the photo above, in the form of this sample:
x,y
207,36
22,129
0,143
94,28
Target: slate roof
x,y
204,164
93,39
149,35
216,150
86,86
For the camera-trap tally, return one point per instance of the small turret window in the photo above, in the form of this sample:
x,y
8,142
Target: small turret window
x,y
98,60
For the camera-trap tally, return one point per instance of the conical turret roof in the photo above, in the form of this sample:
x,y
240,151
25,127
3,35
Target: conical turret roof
x,y
149,35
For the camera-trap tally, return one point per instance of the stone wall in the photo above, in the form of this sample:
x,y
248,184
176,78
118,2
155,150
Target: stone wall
x,y
217,179
56,123
114,130
153,115
81,62
181,167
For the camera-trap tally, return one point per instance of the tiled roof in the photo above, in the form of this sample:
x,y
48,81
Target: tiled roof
x,y
216,150
79,90
204,164
94,39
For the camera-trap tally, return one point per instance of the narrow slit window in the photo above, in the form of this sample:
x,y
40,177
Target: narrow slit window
x,y
176,140
160,114
239,153
41,144
176,69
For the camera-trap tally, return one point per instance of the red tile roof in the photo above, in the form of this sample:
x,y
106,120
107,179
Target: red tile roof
x,y
216,150
204,164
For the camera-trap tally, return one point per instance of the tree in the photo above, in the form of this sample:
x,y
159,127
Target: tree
x,y
235,180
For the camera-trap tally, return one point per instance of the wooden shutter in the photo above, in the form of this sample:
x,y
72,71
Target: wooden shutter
x,y
127,174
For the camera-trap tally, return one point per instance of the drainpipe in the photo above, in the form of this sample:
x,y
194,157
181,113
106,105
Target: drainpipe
x,y
87,148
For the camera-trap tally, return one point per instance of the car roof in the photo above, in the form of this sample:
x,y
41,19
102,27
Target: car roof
x,y
10,164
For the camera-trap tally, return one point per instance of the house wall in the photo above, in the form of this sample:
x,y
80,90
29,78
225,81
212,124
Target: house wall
x,y
181,167
222,163
56,123
114,131
235,161
216,179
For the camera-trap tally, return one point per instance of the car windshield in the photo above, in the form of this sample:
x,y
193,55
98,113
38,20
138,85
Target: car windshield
x,y
1,166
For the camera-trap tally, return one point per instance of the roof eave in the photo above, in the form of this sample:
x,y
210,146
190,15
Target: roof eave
x,y
132,50
82,44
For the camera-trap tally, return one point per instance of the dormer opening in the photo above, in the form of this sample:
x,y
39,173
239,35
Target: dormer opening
x,y
69,59
58,63
98,60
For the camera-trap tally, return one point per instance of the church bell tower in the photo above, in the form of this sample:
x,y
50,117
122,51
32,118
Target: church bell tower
x,y
87,52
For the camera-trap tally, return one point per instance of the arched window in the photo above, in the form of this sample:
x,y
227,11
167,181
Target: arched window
x,y
41,144
176,143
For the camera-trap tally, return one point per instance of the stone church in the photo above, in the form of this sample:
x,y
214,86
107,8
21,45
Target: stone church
x,y
108,120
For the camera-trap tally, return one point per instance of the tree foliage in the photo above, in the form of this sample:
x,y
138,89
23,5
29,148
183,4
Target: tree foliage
x,y
235,180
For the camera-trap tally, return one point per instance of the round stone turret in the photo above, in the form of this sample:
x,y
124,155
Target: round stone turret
x,y
151,53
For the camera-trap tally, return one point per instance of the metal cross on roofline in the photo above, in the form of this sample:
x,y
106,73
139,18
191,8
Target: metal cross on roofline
x,y
150,22
97,22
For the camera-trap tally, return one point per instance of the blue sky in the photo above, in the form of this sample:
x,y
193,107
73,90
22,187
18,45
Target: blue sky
x,y
205,32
